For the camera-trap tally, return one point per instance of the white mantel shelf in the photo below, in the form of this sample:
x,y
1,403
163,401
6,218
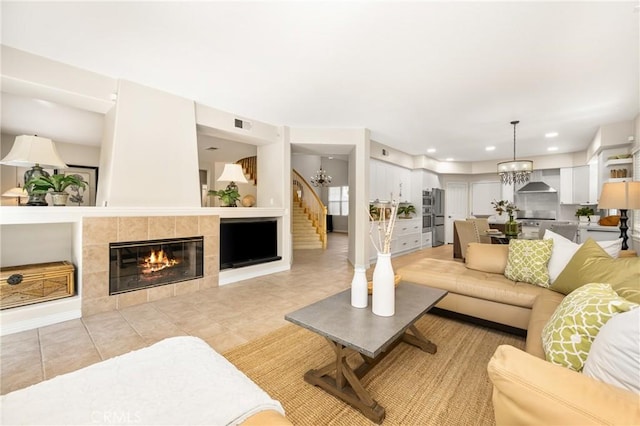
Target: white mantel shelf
x,y
24,215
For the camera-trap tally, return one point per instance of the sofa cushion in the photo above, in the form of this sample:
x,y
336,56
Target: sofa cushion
x,y
568,335
615,353
531,391
527,261
490,258
623,275
564,249
456,278
567,280
543,307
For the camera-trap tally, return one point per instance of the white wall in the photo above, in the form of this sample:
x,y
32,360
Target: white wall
x,y
153,156
41,78
307,165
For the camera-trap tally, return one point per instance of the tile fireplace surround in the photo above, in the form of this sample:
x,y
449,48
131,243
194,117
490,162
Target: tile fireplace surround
x,y
98,232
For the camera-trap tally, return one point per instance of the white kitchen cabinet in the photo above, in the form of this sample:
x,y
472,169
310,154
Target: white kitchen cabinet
x,y
403,192
376,179
576,185
407,236
566,185
581,185
427,239
385,180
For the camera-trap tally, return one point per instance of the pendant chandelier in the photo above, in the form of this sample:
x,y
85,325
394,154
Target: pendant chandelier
x,y
516,171
321,178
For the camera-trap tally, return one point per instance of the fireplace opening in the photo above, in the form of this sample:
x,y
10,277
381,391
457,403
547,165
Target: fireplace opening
x,y
135,265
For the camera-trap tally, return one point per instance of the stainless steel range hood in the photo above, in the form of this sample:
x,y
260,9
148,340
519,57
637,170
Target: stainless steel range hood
x,y
533,187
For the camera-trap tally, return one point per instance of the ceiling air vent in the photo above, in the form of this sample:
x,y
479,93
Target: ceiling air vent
x,y
242,124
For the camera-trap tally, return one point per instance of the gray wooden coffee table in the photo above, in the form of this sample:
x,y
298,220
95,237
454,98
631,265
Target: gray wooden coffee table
x,y
345,327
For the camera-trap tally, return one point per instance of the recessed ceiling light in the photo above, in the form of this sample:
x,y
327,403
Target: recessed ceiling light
x,y
551,135
431,150
552,148
490,148
448,159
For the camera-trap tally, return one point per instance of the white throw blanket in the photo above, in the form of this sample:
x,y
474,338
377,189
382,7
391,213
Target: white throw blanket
x,y
179,380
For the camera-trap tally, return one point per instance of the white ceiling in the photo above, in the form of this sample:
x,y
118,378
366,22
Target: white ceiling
x,y
420,75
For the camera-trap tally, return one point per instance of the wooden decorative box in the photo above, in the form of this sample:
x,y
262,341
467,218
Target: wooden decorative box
x,y
27,284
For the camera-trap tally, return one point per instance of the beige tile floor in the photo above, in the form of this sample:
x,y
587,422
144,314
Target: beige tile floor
x,y
224,317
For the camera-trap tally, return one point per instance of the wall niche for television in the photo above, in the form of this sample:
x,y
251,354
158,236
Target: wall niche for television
x,y
248,241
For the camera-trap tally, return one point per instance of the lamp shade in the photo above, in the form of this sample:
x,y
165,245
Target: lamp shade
x,y
232,173
16,192
620,195
28,151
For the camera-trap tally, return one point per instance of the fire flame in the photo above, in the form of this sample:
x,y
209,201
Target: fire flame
x,y
157,261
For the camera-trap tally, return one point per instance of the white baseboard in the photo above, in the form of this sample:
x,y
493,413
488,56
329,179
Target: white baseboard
x,y
229,276
23,318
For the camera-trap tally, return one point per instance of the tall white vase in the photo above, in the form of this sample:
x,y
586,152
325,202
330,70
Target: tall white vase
x,y
383,301
359,288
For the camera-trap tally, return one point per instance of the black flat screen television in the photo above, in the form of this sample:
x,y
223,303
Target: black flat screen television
x,y
245,242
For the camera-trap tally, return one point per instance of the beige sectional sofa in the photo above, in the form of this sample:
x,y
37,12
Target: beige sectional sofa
x,y
527,388
479,287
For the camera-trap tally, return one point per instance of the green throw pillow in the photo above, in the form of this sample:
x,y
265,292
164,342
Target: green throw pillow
x,y
527,261
623,274
568,280
568,335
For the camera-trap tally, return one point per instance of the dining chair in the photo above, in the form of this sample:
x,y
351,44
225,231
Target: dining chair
x,y
467,232
482,226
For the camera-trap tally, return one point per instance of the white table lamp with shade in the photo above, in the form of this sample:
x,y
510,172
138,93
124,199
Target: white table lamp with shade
x,y
35,152
16,192
622,196
232,173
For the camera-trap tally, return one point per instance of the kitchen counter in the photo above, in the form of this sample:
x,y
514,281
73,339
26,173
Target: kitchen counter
x,y
595,227
597,232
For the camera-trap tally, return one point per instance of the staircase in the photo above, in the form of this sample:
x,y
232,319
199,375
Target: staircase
x,y
250,168
309,216
305,235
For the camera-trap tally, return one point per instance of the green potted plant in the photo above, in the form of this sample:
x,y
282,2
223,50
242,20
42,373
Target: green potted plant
x,y
406,210
228,197
584,214
501,206
56,184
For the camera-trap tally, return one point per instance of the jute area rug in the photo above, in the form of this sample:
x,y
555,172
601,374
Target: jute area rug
x,y
416,388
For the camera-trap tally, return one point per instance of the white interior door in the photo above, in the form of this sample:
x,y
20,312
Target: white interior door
x,y
456,206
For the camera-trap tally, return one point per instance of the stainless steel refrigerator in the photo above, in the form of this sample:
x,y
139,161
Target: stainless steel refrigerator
x,y
438,216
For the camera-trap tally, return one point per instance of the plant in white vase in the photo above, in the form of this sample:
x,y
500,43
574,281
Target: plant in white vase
x,y
383,298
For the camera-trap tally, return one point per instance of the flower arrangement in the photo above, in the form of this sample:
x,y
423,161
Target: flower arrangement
x,y
383,226
504,206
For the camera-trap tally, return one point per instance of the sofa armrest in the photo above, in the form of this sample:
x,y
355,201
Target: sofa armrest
x,y
529,390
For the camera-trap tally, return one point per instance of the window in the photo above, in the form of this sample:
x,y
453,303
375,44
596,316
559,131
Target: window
x,y
338,200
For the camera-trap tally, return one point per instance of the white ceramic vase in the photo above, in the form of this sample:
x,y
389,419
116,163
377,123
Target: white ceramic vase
x,y
359,288
383,301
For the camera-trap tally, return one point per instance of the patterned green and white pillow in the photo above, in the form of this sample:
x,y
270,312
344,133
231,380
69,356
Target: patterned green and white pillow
x,y
568,335
527,261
